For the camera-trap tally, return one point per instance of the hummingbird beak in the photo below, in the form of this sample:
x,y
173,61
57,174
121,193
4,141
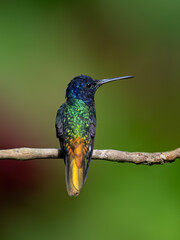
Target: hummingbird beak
x,y
101,82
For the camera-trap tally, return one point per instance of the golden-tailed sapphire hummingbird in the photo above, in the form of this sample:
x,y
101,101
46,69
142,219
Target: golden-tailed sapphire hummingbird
x,y
76,128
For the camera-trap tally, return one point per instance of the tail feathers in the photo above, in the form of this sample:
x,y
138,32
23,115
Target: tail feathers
x,y
75,175
75,165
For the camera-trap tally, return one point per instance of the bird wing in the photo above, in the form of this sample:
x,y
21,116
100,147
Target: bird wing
x,y
91,147
59,125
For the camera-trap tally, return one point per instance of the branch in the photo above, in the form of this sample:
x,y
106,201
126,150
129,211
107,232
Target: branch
x,y
109,155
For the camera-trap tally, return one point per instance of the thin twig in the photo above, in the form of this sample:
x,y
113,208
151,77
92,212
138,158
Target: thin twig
x,y
109,155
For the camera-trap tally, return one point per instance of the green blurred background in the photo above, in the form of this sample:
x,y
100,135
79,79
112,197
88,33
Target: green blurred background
x,y
43,45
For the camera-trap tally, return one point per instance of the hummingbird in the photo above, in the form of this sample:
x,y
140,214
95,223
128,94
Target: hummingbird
x,y
76,129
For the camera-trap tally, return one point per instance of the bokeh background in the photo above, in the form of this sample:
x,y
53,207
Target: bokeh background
x,y
43,45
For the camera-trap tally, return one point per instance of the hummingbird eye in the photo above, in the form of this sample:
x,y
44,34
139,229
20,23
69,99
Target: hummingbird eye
x,y
88,85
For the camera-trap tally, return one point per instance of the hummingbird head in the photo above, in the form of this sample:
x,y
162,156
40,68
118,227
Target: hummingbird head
x,y
84,87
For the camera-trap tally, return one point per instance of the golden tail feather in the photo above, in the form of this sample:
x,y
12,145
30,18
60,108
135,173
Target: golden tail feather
x,y
74,177
75,166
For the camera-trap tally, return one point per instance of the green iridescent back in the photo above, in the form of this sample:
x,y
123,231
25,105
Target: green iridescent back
x,y
77,119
